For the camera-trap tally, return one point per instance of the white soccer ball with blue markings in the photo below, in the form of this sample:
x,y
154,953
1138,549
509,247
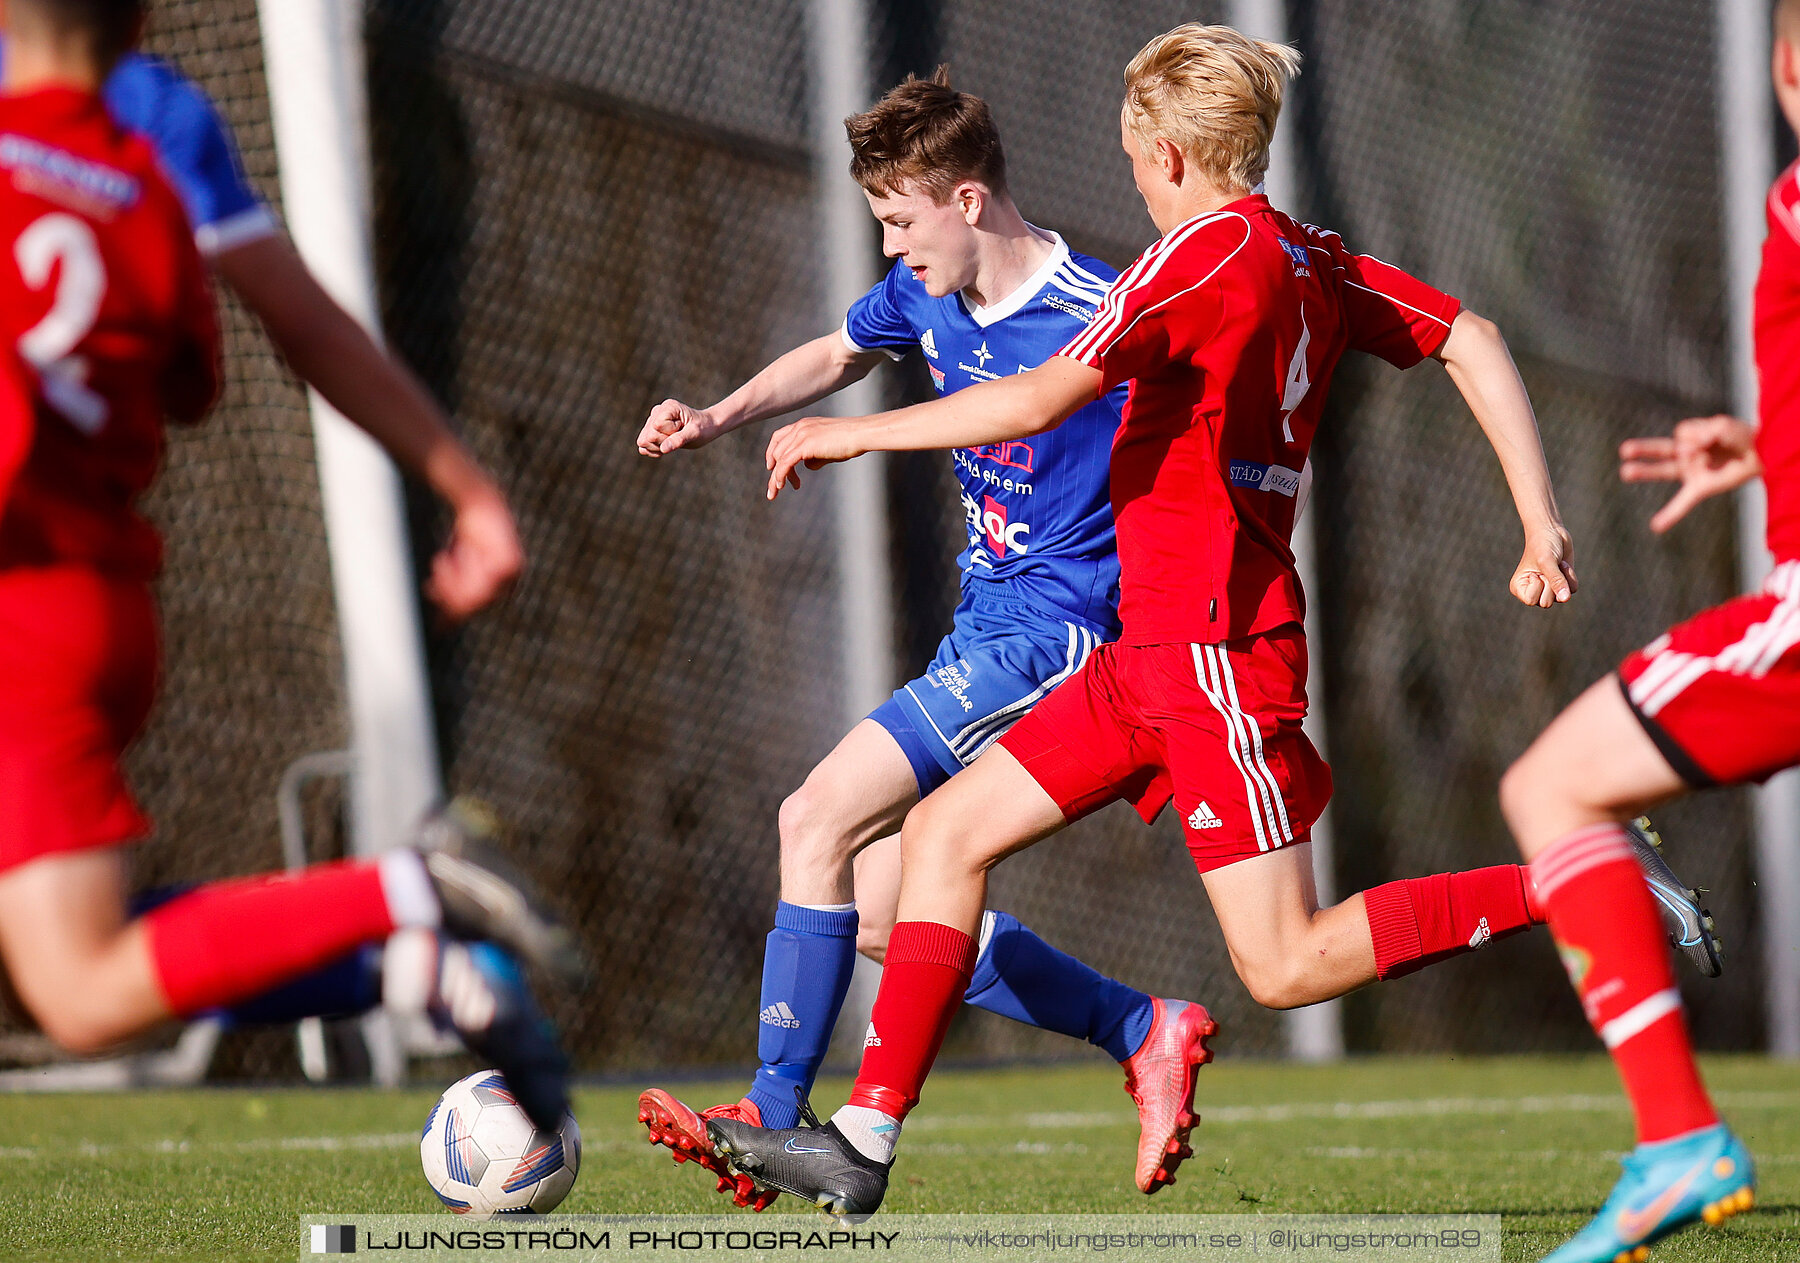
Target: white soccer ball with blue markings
x,y
483,1156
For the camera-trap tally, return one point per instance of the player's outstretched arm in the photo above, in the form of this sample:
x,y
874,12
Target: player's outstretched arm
x,y
1708,456
1482,368
988,412
338,358
803,376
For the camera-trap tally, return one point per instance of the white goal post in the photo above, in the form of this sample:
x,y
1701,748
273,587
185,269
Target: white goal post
x,y
1747,167
313,57
314,63
1315,1033
840,73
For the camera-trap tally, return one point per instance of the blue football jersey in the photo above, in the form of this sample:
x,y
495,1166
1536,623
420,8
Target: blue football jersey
x,y
198,154
1038,509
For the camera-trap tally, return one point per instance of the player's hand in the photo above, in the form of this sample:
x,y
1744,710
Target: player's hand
x,y
479,561
811,441
673,425
1706,455
1545,576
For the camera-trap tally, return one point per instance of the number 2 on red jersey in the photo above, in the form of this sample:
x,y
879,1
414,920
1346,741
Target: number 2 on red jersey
x,y
50,345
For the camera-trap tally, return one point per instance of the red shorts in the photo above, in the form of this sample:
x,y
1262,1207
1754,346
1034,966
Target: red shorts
x,y
1216,728
1720,694
80,665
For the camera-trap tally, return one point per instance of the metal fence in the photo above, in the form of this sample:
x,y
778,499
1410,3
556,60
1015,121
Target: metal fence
x,y
582,209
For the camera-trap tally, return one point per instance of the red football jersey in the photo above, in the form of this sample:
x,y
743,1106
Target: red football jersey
x,y
107,328
1229,329
1778,365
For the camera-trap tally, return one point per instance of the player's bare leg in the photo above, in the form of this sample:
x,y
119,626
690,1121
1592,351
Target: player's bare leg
x,y
1593,765
958,834
1565,799
94,977
950,840
1287,950
856,796
954,838
861,791
77,964
877,895
1290,952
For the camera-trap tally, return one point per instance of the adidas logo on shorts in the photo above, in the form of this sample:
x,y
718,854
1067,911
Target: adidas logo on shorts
x,y
871,1040
778,1014
1204,818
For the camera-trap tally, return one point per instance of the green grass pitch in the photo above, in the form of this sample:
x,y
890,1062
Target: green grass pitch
x,y
224,1174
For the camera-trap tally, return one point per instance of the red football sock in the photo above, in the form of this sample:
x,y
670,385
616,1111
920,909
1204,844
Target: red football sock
x,y
229,940
926,974
1421,921
1613,946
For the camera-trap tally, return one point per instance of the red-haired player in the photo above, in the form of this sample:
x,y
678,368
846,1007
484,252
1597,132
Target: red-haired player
x,y
106,329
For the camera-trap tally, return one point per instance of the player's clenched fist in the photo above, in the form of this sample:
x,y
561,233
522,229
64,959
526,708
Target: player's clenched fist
x,y
1545,576
672,425
811,441
480,560
1706,455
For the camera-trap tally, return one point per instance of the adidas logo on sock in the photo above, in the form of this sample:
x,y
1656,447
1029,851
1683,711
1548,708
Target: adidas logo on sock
x,y
871,1040
1204,818
1482,934
778,1014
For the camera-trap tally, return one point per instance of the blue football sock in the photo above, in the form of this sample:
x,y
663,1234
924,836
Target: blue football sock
x,y
1020,976
347,987
806,974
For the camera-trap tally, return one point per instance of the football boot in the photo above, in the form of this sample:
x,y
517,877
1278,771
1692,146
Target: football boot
x,y
1690,927
1705,1176
1160,1077
484,897
673,1123
478,991
814,1163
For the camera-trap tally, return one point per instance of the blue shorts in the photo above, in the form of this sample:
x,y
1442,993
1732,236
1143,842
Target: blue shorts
x,y
999,660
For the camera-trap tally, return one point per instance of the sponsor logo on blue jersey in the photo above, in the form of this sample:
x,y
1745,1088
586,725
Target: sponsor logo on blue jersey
x,y
990,527
1038,511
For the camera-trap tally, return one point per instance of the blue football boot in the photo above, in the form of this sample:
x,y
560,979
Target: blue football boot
x,y
1703,1176
478,991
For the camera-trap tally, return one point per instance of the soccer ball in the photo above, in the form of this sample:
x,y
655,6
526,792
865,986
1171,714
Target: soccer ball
x,y
483,1157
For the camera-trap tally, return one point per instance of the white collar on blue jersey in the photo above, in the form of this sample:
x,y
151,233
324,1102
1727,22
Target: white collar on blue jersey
x,y
994,314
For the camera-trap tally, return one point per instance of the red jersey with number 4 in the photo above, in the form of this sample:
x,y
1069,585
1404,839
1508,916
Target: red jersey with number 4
x,y
1778,365
1229,329
107,329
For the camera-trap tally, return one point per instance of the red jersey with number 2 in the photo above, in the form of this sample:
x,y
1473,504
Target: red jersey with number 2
x,y
107,329
1229,329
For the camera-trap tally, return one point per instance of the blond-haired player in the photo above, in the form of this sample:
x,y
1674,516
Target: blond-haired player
x,y
1228,329
981,294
